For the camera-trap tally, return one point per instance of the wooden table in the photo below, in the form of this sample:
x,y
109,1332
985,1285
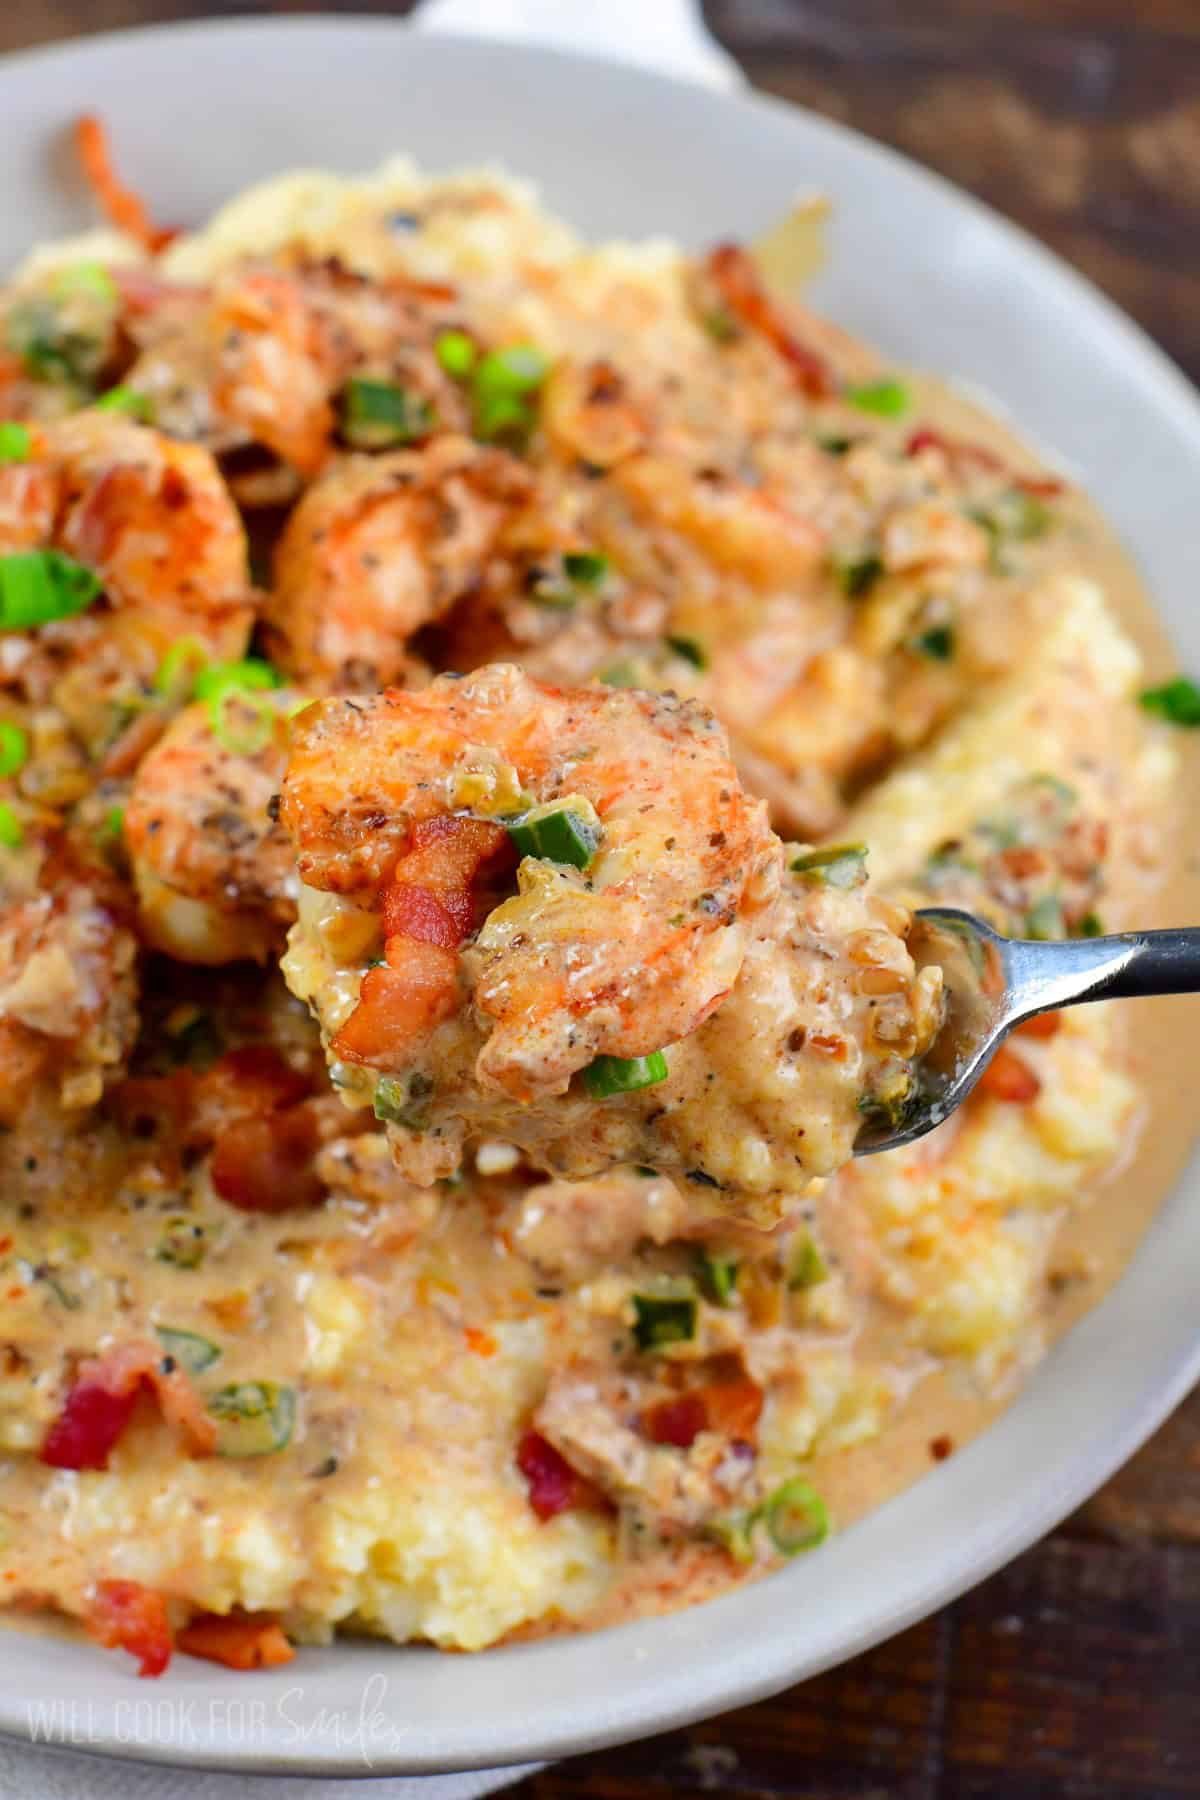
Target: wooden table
x,y
1074,1674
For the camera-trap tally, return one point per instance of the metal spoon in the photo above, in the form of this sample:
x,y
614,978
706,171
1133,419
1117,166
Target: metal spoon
x,y
993,983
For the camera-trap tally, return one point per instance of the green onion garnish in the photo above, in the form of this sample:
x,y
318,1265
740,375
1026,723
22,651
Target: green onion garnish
x,y
502,384
856,575
620,675
585,568
937,643
807,1268
180,668
11,831
1013,517
663,1319
502,415
1045,920
887,399
456,352
126,400
403,1103
191,1351
624,1074
240,717
219,678
39,586
720,325
14,748
85,278
113,826
183,1243
718,1277
557,833
795,1517
1091,925
378,415
690,649
1176,701
15,442
254,1418
837,865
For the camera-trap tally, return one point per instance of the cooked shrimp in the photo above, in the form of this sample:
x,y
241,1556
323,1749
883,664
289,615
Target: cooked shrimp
x,y
68,982
380,546
152,522
212,868
649,884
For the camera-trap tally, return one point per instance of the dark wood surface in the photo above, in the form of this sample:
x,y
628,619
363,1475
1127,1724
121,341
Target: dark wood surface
x,y
1074,1674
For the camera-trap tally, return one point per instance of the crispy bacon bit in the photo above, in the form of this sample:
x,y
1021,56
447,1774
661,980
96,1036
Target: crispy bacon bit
x,y
101,1402
239,1640
430,906
743,292
979,457
554,1486
1009,1077
1045,1025
124,1615
264,1164
119,204
731,1407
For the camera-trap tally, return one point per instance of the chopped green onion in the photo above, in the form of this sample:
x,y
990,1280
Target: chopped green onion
x,y
690,649
191,1351
1090,926
734,1533
620,675
887,399
718,1277
90,278
11,831
521,370
502,415
240,716
180,668
856,575
456,352
663,1319
836,865
126,400
39,586
585,568
937,643
182,1243
720,325
836,446
254,1418
1176,701
403,1103
1045,920
14,748
795,1517
15,442
1013,517
378,415
557,832
195,1039
808,1267
624,1074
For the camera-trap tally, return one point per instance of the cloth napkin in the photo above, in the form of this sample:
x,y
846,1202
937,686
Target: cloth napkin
x,y
667,35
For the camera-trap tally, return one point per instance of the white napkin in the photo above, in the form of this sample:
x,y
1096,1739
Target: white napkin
x,y
670,36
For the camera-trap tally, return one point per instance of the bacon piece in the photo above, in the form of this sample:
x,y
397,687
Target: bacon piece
x,y
677,1422
119,204
101,1401
124,1615
742,289
1009,1077
264,1163
730,1407
239,1640
399,1003
554,1486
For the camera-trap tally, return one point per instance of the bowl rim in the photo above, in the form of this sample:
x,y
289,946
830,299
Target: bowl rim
x,y
756,1662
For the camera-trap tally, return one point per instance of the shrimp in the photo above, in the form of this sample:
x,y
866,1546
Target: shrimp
x,y
68,978
212,868
380,546
152,522
650,914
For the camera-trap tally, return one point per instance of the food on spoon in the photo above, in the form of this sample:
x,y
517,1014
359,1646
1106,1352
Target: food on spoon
x,y
556,917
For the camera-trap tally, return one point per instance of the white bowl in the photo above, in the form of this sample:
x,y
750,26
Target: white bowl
x,y
937,281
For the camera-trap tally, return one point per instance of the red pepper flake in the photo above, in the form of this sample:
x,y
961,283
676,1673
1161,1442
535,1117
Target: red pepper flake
x,y
124,1615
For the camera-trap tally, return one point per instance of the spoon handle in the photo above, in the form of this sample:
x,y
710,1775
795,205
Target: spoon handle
x,y
1126,967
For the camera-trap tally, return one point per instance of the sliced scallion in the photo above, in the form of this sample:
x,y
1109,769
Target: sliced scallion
x,y
240,716
835,865
559,832
937,643
1090,926
183,1243
718,1277
795,1517
807,1267
856,575
11,832
456,351
38,587
404,1103
624,1074
126,400
690,649
1045,920
1177,701
663,1319
15,442
887,399
14,748
90,278
379,415
180,668
620,675
254,1418
191,1351
585,568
